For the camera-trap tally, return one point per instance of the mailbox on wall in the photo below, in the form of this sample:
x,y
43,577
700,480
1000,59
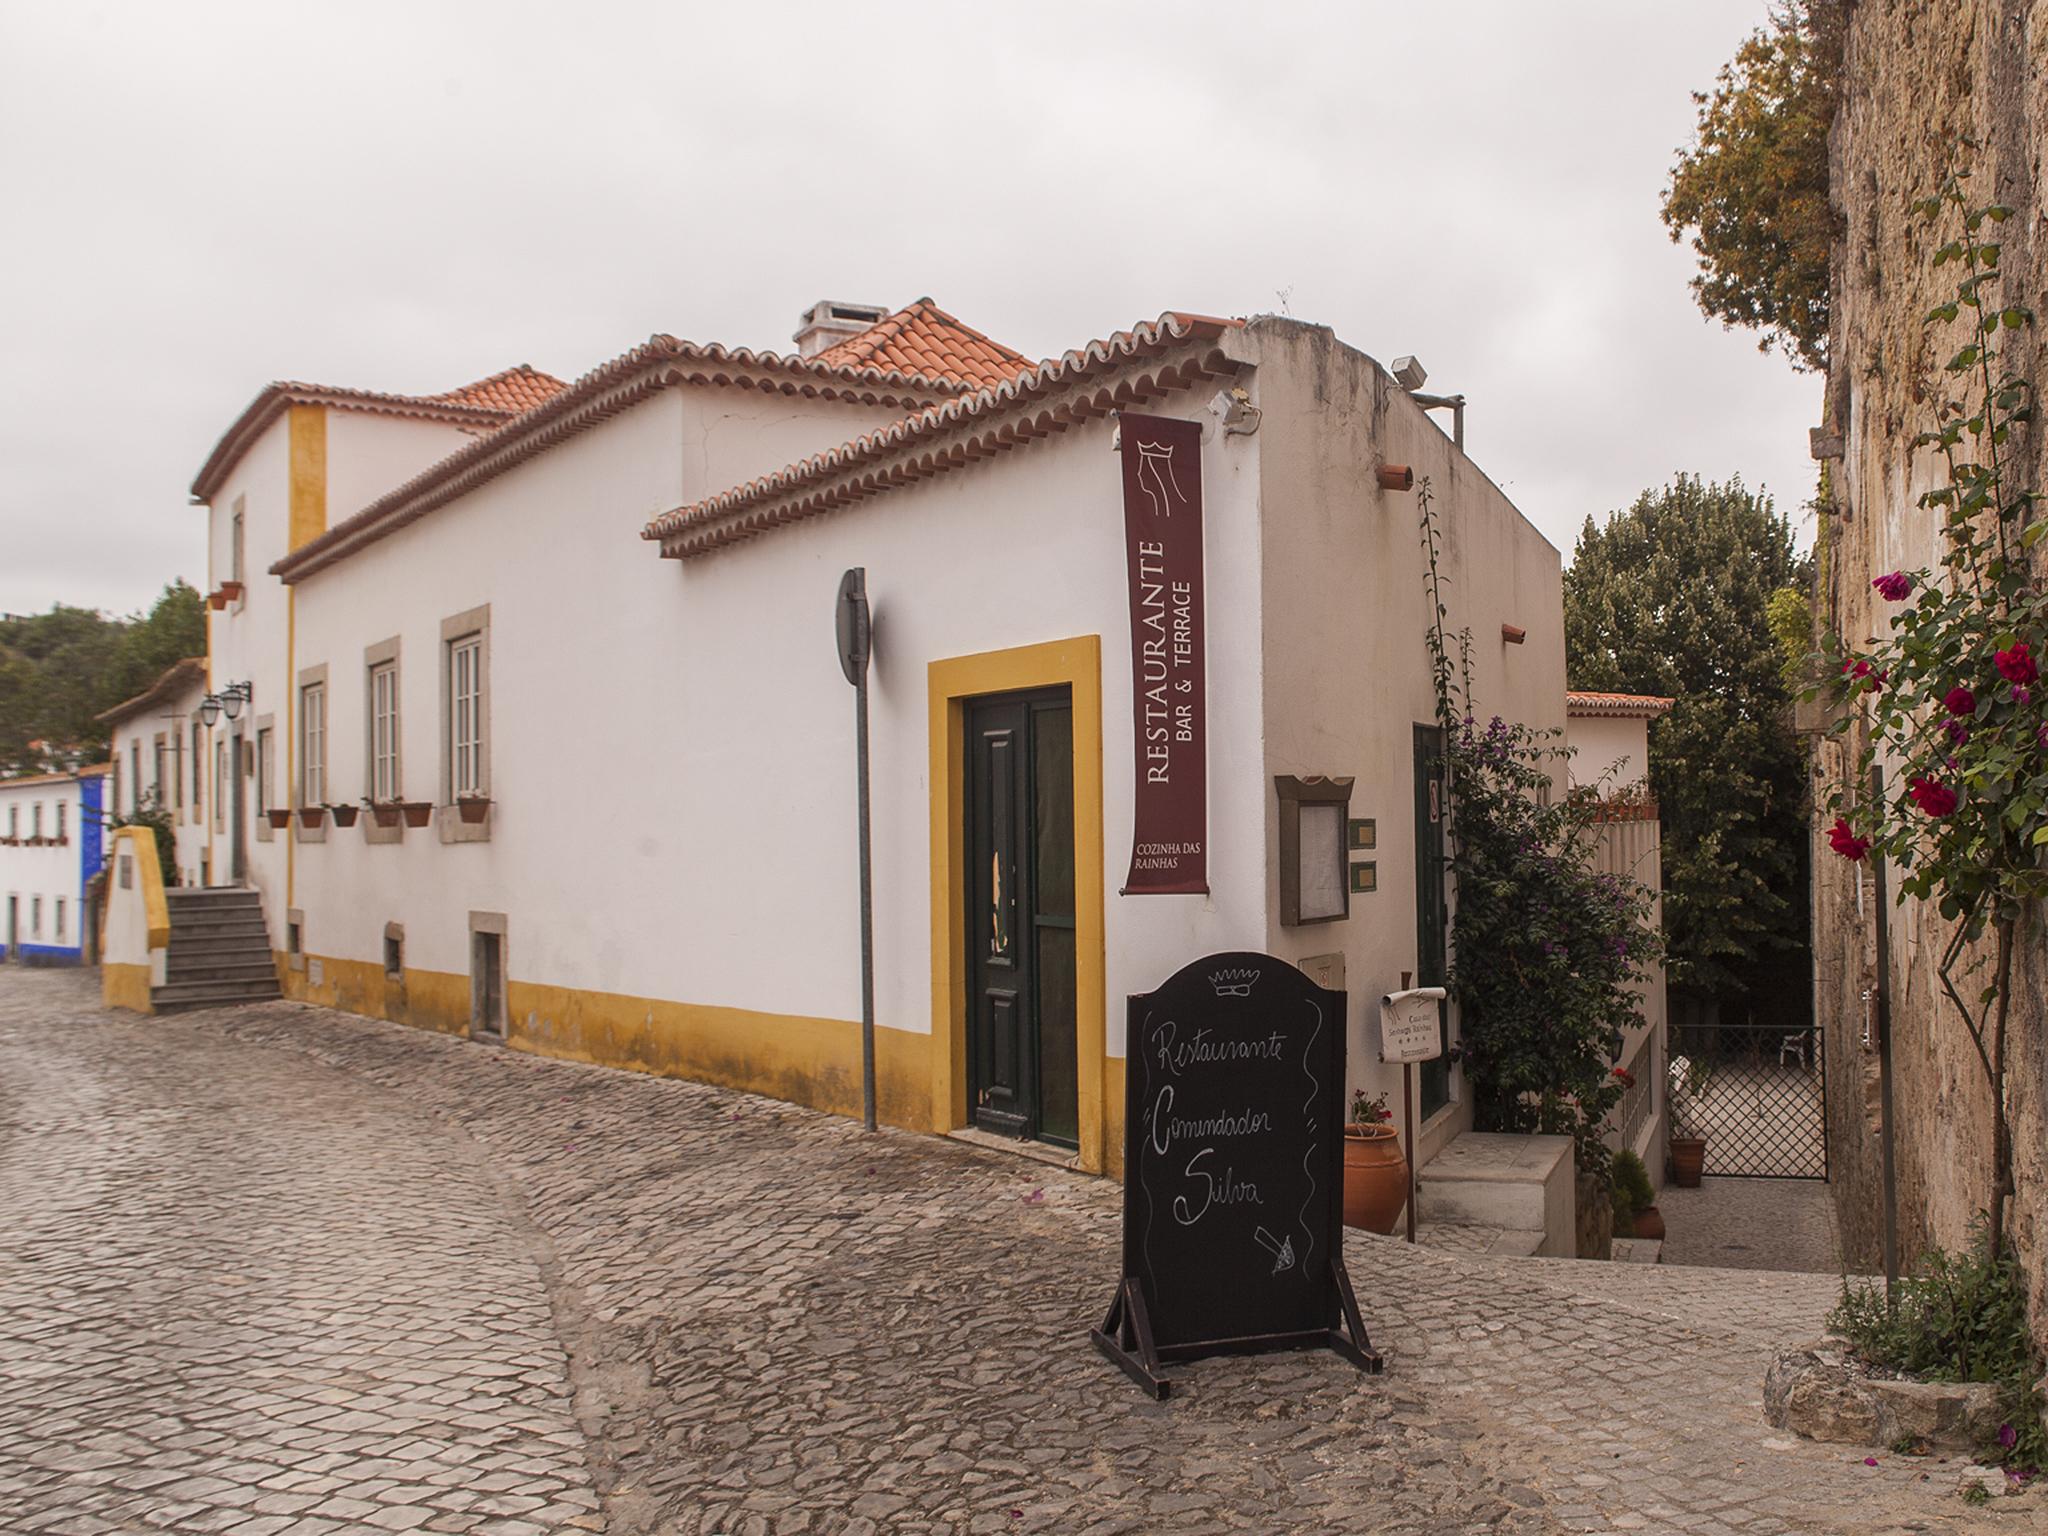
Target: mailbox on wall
x,y
1314,816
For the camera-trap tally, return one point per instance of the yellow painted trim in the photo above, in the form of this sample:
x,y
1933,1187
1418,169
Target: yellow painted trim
x,y
1077,664
126,986
308,446
206,768
156,911
814,1062
291,737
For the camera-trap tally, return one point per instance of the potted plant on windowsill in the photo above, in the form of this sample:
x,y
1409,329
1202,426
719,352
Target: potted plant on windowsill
x,y
224,594
1375,1168
280,817
384,813
344,815
1689,1080
312,816
473,808
417,812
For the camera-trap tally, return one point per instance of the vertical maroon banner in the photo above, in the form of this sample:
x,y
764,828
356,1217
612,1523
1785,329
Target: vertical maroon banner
x,y
1162,463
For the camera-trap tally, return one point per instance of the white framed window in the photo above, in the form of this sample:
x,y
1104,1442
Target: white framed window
x,y
198,774
60,919
14,821
134,777
313,744
157,788
35,918
36,821
220,785
384,781
465,714
63,819
266,762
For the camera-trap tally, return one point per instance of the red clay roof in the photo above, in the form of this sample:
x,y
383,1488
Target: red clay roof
x,y
923,338
1580,704
477,407
658,363
987,423
179,676
514,389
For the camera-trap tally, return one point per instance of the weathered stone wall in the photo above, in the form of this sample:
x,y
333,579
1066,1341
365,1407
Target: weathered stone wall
x,y
1921,75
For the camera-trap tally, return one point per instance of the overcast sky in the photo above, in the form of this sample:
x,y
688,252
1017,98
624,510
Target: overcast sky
x,y
198,198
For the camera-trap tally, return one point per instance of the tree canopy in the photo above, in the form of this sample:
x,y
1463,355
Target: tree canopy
x,y
58,670
1753,187
1673,597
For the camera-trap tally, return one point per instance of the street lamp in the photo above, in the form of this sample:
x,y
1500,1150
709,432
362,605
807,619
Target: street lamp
x,y
228,701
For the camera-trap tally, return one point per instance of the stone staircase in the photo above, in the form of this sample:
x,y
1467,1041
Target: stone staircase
x,y
220,951
1498,1194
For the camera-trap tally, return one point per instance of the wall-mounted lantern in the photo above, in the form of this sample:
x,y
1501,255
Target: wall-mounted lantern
x,y
228,701
1314,813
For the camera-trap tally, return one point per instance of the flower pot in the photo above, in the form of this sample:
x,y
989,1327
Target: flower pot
x,y
216,600
417,812
1650,1223
1375,1177
473,808
1688,1156
312,816
344,815
385,813
279,819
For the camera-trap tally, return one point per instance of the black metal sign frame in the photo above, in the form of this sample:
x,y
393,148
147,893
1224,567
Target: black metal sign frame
x,y
1235,1066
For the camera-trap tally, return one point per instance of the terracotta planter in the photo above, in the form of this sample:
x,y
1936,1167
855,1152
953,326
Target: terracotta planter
x,y
312,815
1650,1223
1688,1156
385,813
1375,1178
417,812
344,815
279,819
216,600
473,808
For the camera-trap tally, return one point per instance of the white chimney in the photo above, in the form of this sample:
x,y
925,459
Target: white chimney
x,y
828,322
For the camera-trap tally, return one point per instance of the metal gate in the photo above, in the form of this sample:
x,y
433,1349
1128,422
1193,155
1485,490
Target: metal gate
x,y
1757,1094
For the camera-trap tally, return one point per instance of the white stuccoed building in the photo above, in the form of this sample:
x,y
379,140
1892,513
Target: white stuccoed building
x,y
580,656
50,849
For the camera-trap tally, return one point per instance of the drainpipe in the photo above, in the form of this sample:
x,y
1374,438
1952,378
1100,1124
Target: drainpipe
x,y
1455,404
1884,1056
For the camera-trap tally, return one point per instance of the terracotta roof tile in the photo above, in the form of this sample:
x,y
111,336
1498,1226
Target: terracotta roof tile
x,y
901,452
513,389
1581,704
176,678
476,408
922,338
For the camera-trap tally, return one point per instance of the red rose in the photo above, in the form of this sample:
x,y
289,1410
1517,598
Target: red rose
x,y
1933,797
2017,664
1846,842
1959,701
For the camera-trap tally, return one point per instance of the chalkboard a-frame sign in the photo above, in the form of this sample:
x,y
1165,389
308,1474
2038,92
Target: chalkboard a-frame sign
x,y
1233,1172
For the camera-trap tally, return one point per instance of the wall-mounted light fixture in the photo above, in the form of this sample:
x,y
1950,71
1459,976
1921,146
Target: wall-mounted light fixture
x,y
228,701
1411,375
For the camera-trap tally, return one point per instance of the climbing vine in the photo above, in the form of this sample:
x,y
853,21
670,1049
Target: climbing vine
x,y
1950,698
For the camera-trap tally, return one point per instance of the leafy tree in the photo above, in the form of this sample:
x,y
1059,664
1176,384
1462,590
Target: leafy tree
x,y
1673,597
59,670
1753,187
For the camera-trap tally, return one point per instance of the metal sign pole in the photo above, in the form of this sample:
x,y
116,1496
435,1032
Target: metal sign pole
x,y
1884,1055
1408,1117
855,639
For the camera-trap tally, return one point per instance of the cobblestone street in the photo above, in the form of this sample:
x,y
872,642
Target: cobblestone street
x,y
282,1270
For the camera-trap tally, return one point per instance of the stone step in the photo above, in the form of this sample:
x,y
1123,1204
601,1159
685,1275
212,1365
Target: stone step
x,y
212,896
177,995
211,931
226,968
1520,1184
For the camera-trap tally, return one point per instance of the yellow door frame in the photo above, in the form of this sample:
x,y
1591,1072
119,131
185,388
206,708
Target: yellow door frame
x,y
1075,664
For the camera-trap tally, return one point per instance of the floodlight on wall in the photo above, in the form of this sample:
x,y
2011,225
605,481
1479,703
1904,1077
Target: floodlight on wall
x,y
1409,373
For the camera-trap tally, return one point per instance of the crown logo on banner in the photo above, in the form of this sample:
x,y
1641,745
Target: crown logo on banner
x,y
1233,983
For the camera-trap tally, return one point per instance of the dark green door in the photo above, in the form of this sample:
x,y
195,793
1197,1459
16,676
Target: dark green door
x,y
1020,916
1432,921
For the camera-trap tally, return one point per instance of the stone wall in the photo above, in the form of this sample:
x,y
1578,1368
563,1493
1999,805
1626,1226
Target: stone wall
x,y
1920,75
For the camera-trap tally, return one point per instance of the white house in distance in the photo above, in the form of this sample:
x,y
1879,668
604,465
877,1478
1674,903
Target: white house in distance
x,y
50,849
158,756
442,619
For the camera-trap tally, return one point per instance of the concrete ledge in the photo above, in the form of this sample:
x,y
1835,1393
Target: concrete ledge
x,y
1514,1183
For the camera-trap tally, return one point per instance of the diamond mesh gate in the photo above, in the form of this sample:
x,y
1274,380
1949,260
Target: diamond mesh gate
x,y
1759,1098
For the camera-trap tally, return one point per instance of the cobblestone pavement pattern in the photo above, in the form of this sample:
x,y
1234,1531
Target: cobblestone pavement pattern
x,y
1785,1224
282,1270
